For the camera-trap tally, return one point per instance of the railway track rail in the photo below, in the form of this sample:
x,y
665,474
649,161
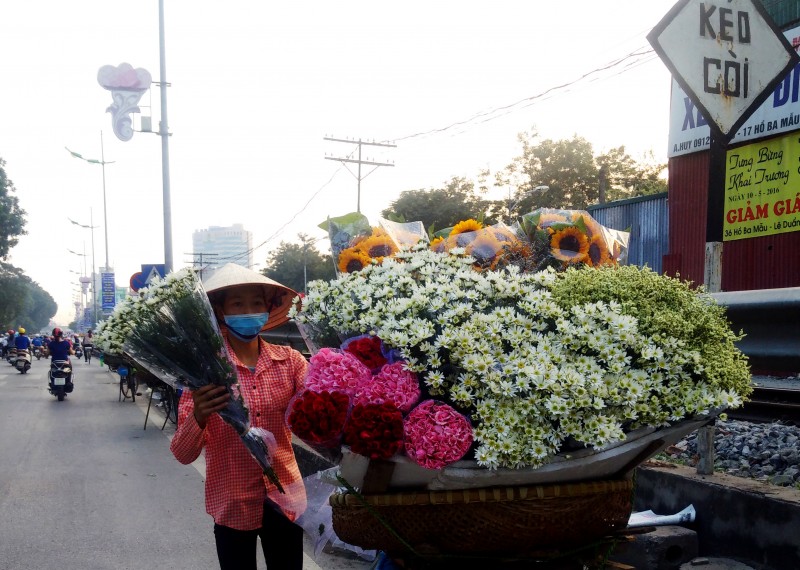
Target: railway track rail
x,y
769,404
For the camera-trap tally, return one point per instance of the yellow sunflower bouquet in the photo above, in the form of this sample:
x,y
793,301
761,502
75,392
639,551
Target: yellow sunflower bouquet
x,y
355,243
485,244
561,238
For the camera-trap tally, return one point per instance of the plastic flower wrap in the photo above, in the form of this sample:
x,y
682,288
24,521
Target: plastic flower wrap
x,y
374,430
436,435
356,244
173,328
560,238
484,243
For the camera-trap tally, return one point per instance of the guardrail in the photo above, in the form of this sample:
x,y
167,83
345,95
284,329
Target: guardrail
x,y
770,319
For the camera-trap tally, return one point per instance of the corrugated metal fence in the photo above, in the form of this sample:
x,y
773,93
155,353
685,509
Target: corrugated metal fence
x,y
647,219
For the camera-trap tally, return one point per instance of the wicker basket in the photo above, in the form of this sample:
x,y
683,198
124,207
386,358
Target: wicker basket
x,y
497,521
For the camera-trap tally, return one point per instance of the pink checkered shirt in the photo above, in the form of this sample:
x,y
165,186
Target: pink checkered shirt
x,y
235,486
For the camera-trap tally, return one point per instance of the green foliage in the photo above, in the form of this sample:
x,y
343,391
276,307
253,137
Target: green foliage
x,y
12,217
627,178
22,301
664,307
570,171
439,208
287,264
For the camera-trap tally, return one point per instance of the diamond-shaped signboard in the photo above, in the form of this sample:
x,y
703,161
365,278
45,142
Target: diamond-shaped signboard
x,y
726,54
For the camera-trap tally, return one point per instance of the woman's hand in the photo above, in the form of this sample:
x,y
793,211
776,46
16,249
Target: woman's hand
x,y
209,400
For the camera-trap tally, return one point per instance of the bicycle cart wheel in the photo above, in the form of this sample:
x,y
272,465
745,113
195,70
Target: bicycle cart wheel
x,y
170,402
124,388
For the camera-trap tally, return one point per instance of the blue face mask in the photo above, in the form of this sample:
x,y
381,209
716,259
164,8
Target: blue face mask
x,y
246,327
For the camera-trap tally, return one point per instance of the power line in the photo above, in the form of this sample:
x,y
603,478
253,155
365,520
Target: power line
x,y
638,53
636,58
198,261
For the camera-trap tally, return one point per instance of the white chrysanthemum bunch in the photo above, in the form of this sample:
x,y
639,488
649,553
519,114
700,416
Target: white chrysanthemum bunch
x,y
530,374
114,331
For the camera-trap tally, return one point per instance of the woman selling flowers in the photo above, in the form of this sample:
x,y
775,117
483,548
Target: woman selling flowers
x,y
242,501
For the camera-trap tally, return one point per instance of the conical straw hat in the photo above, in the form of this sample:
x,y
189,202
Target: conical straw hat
x,y
233,275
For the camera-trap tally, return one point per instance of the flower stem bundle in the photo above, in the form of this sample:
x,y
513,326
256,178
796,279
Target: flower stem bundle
x,y
173,328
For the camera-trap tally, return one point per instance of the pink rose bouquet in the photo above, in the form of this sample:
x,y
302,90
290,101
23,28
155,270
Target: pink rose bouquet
x,y
393,384
332,370
436,435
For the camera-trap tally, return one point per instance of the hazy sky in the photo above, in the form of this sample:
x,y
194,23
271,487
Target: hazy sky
x,y
255,86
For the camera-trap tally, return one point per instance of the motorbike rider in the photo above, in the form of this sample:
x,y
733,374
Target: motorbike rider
x,y
37,342
22,342
9,340
60,349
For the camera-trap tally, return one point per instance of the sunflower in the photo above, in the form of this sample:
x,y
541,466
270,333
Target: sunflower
x,y
352,260
570,245
466,226
438,245
598,252
484,248
378,247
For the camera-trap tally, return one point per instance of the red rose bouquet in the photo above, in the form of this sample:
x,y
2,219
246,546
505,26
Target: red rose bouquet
x,y
374,430
318,418
368,349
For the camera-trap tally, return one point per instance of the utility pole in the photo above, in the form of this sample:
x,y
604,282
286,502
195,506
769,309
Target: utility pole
x,y
359,162
602,179
198,260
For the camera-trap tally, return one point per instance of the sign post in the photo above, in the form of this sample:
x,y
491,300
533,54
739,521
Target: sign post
x,y
728,56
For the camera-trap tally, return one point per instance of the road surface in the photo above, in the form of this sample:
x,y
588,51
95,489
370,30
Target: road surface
x,y
84,486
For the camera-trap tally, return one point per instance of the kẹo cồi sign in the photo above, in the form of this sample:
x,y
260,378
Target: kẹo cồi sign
x,y
762,189
727,55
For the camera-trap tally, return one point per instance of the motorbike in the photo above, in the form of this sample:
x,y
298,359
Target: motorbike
x,y
38,352
23,362
60,377
12,356
78,351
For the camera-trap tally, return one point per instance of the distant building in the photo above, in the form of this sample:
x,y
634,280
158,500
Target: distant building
x,y
215,246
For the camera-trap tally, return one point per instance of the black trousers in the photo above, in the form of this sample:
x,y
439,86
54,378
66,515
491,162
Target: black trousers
x,y
281,541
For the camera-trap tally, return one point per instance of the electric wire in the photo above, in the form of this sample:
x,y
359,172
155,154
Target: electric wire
x,y
639,56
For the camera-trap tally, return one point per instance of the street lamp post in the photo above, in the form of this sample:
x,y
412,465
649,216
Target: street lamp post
x,y
163,131
102,162
91,227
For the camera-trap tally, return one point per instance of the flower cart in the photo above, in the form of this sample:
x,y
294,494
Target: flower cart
x,y
497,386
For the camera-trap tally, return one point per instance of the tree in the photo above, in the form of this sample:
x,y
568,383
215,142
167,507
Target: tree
x,y
12,217
294,265
439,207
627,178
566,174
22,301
